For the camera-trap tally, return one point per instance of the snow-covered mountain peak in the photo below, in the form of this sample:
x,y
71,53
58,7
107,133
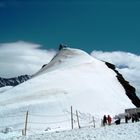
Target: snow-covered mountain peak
x,y
65,58
71,78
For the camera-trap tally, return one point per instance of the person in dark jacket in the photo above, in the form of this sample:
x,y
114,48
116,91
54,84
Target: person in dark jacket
x,y
104,120
133,118
136,117
118,121
126,118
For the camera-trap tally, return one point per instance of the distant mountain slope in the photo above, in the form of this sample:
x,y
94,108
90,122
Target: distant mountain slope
x,y
13,81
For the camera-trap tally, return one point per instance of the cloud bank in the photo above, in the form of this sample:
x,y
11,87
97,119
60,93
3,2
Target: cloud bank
x,y
127,64
22,58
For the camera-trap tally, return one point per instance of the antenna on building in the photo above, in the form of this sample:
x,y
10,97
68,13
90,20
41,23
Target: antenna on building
x,y
61,46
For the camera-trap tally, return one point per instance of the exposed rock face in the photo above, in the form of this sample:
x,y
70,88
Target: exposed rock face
x,y
129,90
13,81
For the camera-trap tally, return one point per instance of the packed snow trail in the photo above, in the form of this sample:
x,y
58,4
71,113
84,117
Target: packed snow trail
x,y
130,131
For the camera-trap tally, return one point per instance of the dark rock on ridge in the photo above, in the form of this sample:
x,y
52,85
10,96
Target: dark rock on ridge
x,y
129,90
13,81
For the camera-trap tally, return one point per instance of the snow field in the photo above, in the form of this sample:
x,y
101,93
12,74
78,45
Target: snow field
x,y
72,78
130,131
40,122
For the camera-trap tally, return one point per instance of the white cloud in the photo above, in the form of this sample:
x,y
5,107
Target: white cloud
x,y
128,65
22,58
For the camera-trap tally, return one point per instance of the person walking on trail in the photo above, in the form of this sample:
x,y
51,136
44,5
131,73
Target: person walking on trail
x,y
118,121
133,118
104,120
109,119
126,118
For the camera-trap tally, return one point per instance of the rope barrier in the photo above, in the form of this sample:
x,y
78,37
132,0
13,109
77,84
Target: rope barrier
x,y
11,125
60,115
37,121
49,122
12,116
18,129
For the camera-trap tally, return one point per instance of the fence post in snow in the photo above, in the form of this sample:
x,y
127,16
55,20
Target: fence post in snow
x,y
93,122
101,122
78,119
71,118
26,122
22,132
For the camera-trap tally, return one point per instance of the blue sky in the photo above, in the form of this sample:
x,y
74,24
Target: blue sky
x,y
107,25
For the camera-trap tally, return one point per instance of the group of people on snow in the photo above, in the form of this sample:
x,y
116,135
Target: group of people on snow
x,y
107,120
133,117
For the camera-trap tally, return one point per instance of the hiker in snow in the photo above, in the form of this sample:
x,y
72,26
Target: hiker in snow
x,y
109,119
133,118
104,120
118,121
126,118
136,117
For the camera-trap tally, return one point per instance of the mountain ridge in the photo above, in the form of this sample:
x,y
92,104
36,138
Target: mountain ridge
x,y
71,78
130,90
13,81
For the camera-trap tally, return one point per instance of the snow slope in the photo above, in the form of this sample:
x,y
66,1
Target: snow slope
x,y
121,132
72,78
3,89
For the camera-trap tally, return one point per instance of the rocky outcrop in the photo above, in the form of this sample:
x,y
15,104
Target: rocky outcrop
x,y
129,90
13,81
